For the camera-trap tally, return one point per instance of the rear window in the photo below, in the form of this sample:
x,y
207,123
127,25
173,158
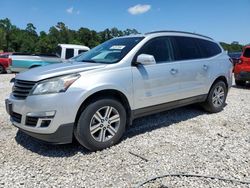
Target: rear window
x,y
186,48
208,48
247,53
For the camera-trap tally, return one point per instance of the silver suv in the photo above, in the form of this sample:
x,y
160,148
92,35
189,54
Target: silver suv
x,y
96,97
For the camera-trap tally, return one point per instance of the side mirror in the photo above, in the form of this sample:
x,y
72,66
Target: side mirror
x,y
145,59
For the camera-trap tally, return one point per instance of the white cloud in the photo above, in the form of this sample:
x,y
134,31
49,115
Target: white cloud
x,y
70,10
139,9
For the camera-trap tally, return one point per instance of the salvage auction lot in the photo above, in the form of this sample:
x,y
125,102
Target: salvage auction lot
x,y
185,140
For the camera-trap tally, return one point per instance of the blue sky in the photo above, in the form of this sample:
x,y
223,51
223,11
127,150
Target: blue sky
x,y
224,20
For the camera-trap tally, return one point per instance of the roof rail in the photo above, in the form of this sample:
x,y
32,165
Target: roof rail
x,y
171,31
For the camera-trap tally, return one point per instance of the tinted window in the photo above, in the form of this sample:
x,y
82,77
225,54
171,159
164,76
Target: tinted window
x,y
186,48
160,48
247,53
208,48
81,51
69,53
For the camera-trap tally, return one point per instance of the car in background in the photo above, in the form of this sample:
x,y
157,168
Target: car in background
x,y
67,51
242,68
5,62
235,56
24,61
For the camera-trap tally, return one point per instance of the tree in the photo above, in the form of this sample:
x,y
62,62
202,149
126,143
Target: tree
x,y
7,27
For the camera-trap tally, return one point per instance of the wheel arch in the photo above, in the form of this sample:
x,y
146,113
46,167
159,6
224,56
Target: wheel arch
x,y
220,78
107,93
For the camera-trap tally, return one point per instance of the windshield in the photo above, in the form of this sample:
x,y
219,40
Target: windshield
x,y
111,51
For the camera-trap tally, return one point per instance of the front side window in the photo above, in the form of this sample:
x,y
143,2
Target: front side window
x,y
247,53
111,51
186,48
160,48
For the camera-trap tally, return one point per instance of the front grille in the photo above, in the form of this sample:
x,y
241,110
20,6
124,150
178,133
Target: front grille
x,y
31,121
21,89
16,117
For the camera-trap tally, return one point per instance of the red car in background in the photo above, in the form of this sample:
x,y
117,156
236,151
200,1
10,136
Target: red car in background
x,y
5,62
242,68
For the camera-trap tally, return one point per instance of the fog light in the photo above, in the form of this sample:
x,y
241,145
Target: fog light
x,y
45,123
48,114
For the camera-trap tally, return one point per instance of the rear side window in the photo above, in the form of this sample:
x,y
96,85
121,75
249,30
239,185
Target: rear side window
x,y
186,48
208,48
247,53
160,48
69,53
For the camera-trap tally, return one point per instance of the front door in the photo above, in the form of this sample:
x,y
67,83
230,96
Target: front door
x,y
158,83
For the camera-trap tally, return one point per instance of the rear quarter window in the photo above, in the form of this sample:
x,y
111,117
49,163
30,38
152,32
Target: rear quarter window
x,y
208,48
247,53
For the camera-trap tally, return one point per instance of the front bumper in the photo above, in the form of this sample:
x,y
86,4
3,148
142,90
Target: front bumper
x,y
61,136
244,76
46,117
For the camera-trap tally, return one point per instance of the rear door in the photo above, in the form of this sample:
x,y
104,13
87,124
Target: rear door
x,y
194,71
158,83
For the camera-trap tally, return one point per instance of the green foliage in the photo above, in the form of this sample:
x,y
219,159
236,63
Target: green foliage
x,y
233,47
28,40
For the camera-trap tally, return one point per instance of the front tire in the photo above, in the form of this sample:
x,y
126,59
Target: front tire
x,y
101,124
216,98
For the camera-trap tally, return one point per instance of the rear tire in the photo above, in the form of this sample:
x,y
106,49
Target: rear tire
x,y
240,82
101,124
216,98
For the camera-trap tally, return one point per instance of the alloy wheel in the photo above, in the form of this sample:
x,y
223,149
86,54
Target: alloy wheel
x,y
104,124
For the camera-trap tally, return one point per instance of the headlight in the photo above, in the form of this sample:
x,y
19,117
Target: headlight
x,y
55,85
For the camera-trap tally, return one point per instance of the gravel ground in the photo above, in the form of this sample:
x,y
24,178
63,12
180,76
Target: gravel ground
x,y
184,140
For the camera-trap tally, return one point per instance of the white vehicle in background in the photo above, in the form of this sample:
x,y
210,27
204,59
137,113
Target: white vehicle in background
x,y
24,61
67,51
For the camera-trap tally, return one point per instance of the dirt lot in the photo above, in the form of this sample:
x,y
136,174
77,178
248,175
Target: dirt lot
x,y
185,140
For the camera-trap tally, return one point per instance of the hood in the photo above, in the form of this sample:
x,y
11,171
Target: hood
x,y
41,73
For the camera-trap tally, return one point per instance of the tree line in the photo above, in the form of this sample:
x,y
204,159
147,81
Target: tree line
x,y
14,39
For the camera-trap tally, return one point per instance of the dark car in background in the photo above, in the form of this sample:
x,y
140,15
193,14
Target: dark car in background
x,y
235,56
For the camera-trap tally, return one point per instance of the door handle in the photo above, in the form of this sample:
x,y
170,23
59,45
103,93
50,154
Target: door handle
x,y
173,71
205,67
